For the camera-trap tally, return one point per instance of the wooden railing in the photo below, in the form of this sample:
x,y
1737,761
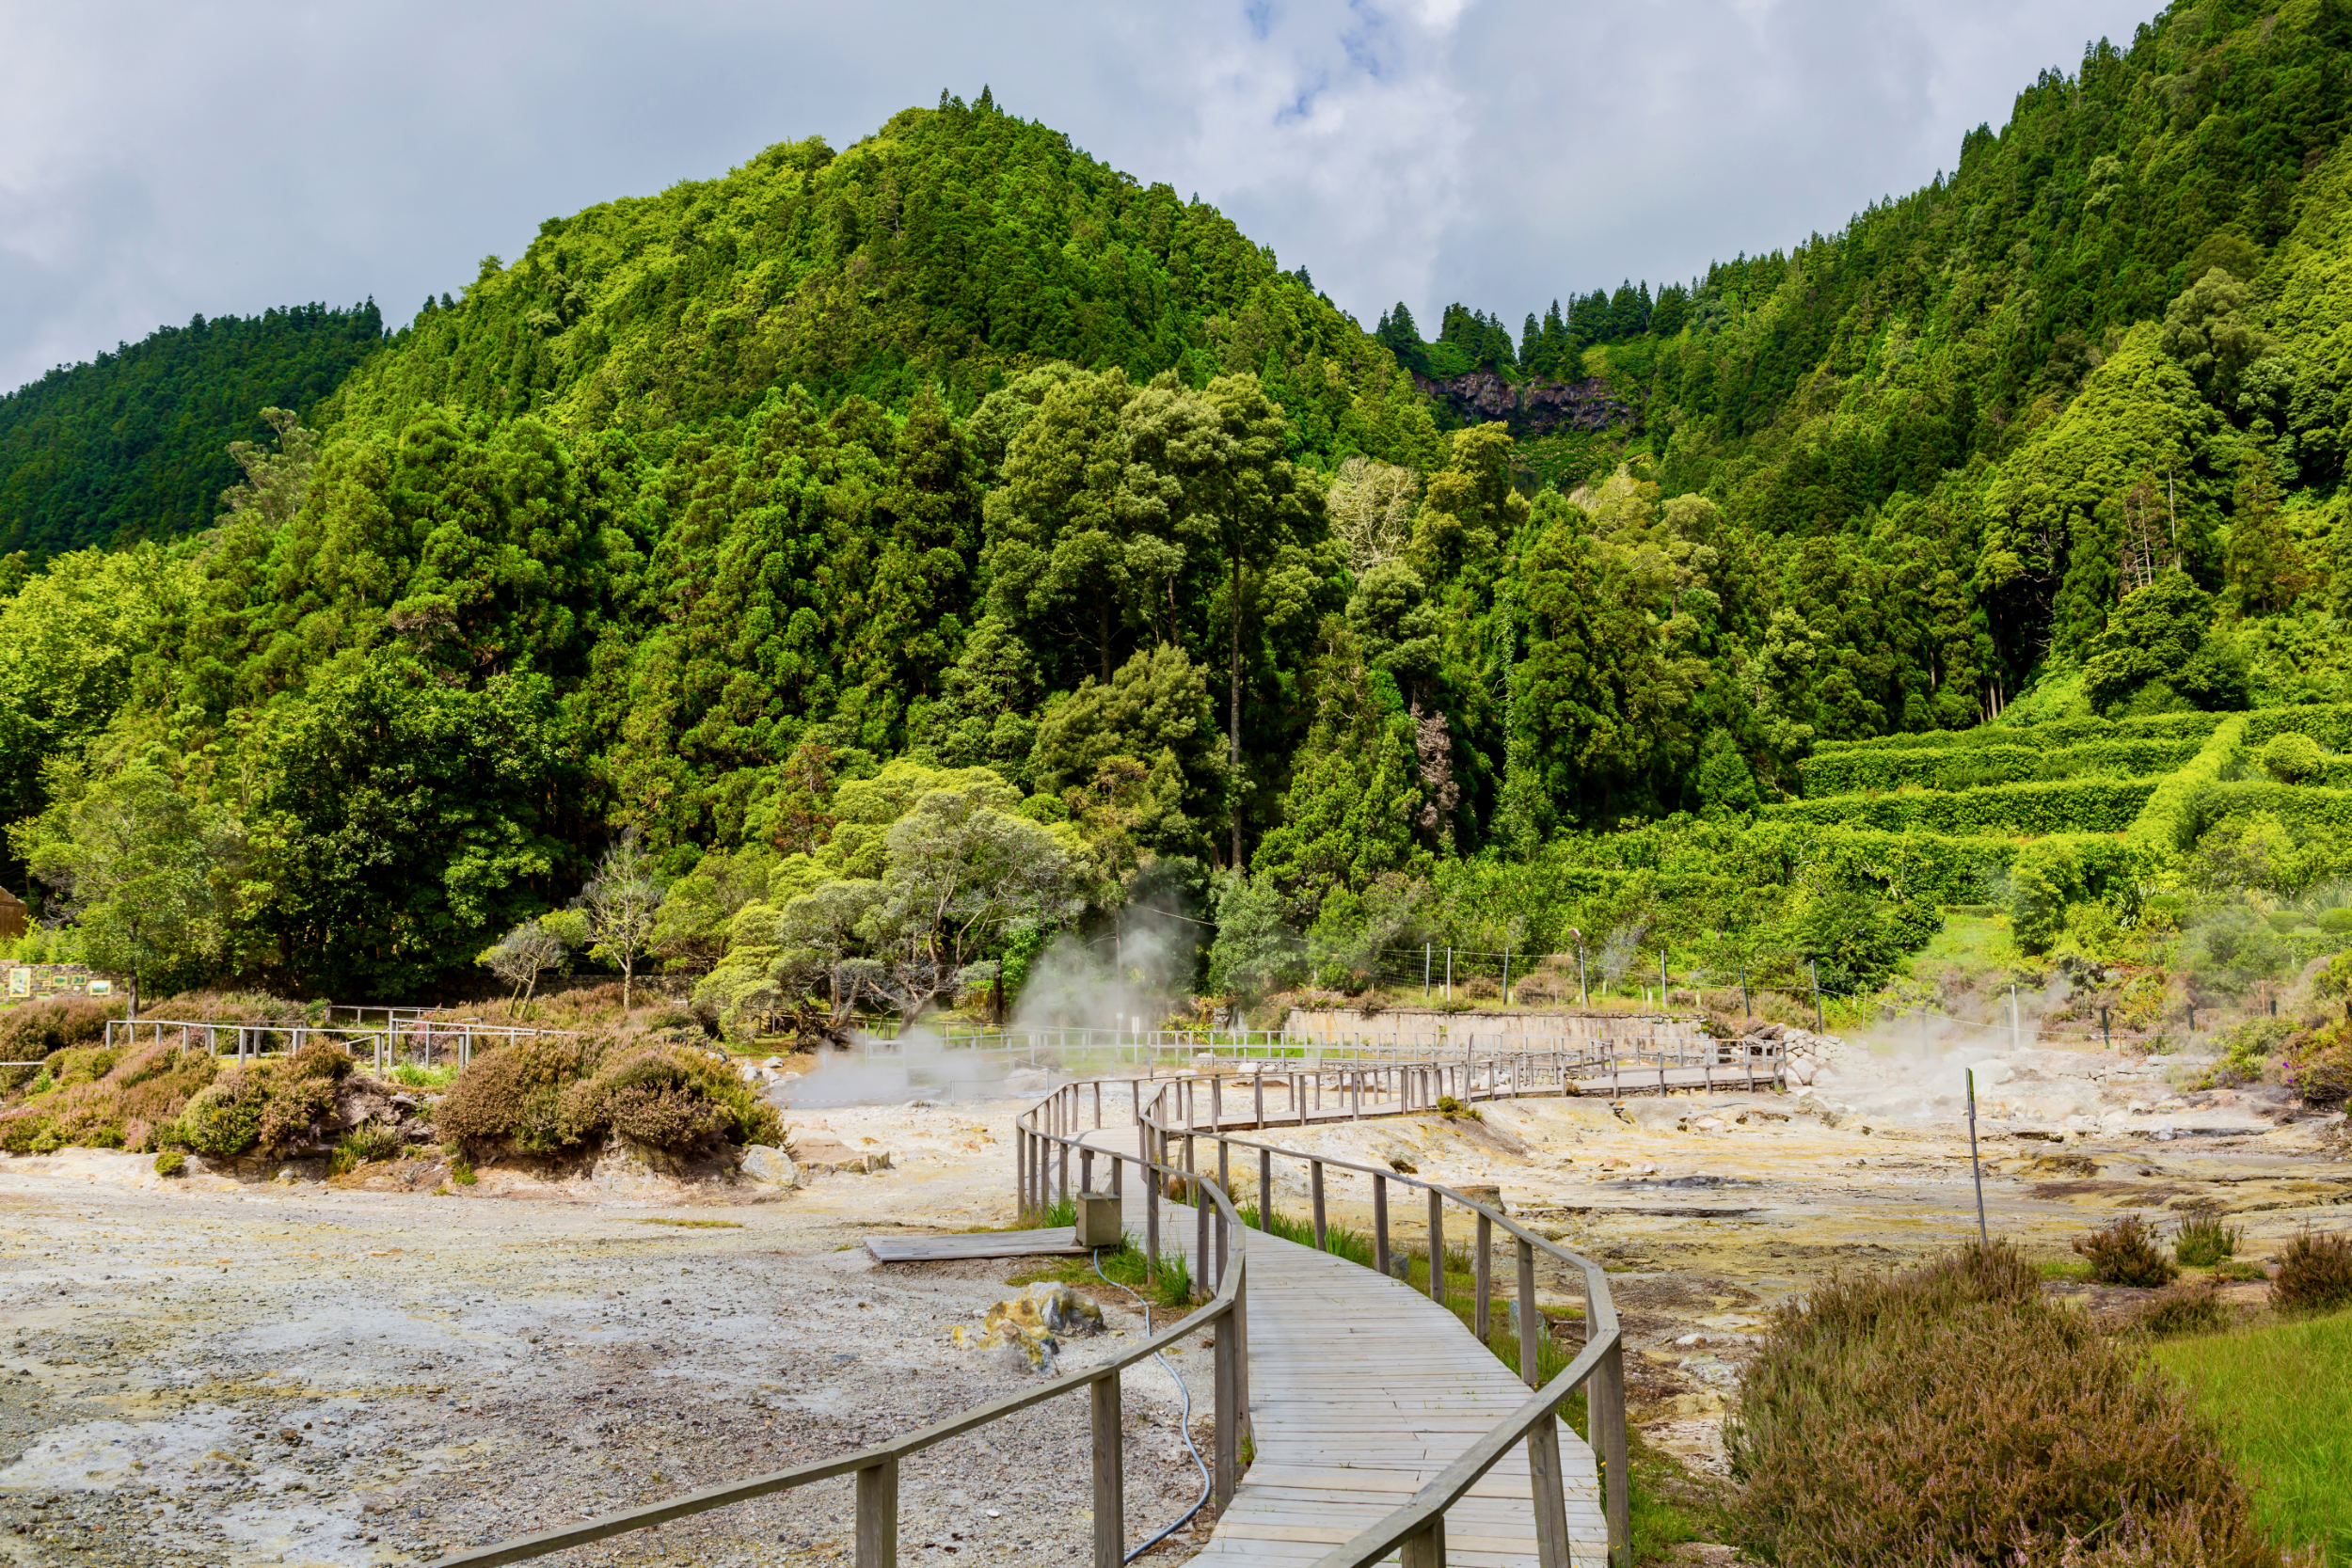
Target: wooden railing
x,y
1051,1134
876,1468
385,1045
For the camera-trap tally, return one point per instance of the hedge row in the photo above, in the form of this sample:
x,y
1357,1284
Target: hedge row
x,y
2293,803
2075,806
2165,816
2330,723
2058,732
1850,772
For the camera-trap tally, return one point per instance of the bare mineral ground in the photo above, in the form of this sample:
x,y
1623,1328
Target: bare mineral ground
x,y
213,1372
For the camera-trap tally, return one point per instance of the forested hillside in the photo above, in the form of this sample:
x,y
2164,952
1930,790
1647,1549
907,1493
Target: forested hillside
x,y
135,444
933,546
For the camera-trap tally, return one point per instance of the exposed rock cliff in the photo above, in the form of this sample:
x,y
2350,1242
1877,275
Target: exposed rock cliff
x,y
1530,407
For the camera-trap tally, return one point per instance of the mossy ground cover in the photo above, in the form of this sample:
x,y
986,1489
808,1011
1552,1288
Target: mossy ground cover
x,y
2280,1394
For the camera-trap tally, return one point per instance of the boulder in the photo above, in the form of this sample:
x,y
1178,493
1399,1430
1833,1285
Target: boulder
x,y
770,1165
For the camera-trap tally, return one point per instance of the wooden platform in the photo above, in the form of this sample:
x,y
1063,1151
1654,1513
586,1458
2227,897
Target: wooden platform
x,y
1362,1389
1059,1241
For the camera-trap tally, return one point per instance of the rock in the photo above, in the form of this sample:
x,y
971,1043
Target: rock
x,y
1022,1350
1046,1307
1487,1194
1990,1074
771,1165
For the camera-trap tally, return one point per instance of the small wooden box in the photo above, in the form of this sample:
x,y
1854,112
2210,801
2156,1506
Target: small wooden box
x,y
1098,1223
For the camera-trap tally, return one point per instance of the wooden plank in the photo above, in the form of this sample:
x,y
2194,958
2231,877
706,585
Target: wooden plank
x,y
1058,1242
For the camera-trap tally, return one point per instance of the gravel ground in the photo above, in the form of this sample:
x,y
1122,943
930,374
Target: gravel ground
x,y
292,1373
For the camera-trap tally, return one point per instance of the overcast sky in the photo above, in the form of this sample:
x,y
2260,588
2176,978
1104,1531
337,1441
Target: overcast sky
x,y
161,160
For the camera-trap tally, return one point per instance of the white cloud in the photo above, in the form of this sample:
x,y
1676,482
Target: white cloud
x,y
160,160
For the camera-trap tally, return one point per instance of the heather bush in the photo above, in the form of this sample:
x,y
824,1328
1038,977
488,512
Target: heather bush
x,y
510,1094
33,1031
2315,1272
226,1117
1951,1415
2320,1066
544,1094
2189,1307
93,1098
364,1144
2125,1253
172,1162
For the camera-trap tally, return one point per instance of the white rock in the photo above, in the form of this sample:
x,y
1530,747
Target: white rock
x,y
762,1162
1990,1072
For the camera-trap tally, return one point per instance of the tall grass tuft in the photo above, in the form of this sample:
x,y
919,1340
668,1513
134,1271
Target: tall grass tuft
x,y
1950,1413
2205,1240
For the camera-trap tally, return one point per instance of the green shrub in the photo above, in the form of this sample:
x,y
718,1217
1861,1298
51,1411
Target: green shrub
x,y
2205,1240
2189,1307
172,1162
1952,1415
2294,758
2315,1272
226,1117
129,1104
2166,822
2125,1253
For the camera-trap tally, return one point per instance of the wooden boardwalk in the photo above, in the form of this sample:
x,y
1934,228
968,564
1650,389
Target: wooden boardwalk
x,y
1362,1389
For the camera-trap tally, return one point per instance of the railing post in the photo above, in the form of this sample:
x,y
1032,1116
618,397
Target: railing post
x,y
1436,1246
1551,1496
1531,1319
1380,1224
878,1515
1200,1207
1484,1267
1110,1476
1605,1400
1226,1376
1265,1190
1151,1205
1322,1230
1424,1547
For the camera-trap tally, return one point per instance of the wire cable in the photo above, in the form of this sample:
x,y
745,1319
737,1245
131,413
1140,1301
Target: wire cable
x,y
1186,1394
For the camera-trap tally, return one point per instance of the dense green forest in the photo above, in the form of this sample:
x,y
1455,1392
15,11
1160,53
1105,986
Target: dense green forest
x,y
134,445
906,553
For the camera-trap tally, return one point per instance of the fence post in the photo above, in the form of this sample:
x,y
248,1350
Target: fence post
x,y
1551,1501
1448,975
1155,1149
1747,1009
1424,1547
1265,1190
1380,1224
1110,1477
1814,970
1531,1318
1506,973
1226,1377
878,1515
1436,1246
1424,971
1605,1400
1322,1230
1484,1265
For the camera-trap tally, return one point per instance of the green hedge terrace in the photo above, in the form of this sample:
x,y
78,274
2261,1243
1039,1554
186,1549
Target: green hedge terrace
x,y
1854,771
2078,806
2058,732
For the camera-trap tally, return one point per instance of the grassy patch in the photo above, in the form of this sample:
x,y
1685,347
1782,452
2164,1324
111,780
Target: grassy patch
x,y
695,1225
417,1076
1970,943
2281,1395
1171,1289
2062,1268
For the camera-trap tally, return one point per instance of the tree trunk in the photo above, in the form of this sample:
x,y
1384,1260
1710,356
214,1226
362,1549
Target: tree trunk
x,y
1233,749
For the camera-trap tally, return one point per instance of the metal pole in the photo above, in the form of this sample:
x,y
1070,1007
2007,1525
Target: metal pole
x,y
1747,1009
1583,997
1814,970
1984,1236
1424,971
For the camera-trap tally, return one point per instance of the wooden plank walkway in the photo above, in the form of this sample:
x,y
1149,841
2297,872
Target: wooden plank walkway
x,y
1361,1390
